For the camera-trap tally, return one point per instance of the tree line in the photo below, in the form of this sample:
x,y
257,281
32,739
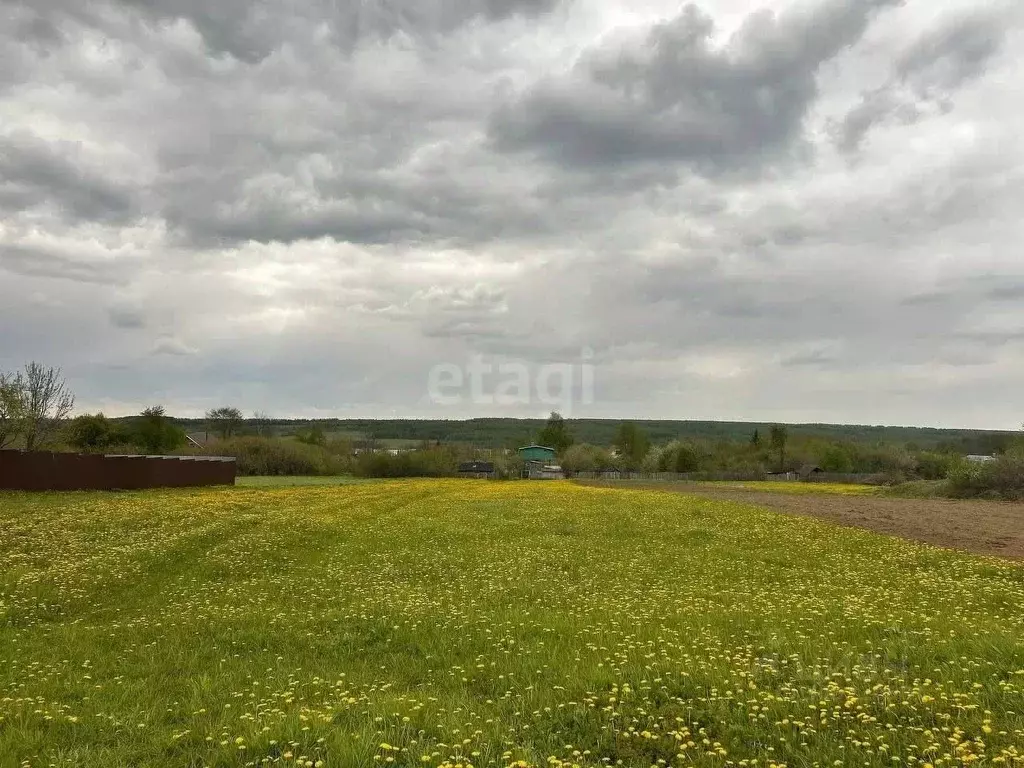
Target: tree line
x,y
774,448
152,431
36,406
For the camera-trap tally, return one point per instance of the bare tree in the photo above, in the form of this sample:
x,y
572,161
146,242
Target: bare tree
x,y
47,402
12,406
261,421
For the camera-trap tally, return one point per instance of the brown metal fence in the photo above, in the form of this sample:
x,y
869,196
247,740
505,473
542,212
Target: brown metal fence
x,y
40,471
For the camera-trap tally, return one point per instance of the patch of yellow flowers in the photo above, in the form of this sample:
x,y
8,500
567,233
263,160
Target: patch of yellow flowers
x,y
478,624
802,488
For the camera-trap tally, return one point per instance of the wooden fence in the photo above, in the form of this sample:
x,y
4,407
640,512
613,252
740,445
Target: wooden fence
x,y
667,476
40,471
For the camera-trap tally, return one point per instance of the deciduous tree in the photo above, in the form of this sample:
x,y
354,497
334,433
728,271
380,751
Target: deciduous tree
x,y
224,422
632,443
12,407
155,433
556,433
47,402
92,432
779,438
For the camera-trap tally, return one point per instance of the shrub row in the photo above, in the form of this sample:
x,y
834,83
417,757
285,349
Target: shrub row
x,y
263,456
999,479
438,462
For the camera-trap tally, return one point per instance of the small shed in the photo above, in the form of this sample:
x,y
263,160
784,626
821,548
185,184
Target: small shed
x,y
538,470
481,469
810,471
537,453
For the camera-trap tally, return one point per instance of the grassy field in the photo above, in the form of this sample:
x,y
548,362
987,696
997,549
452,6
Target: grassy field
x,y
467,623
266,481
780,486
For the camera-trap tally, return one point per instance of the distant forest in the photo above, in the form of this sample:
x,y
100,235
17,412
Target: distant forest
x,y
510,433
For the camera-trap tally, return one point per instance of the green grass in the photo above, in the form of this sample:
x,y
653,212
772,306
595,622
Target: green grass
x,y
920,489
801,488
767,486
275,481
451,622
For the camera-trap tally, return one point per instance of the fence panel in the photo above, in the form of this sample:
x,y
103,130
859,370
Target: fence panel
x,y
667,476
42,471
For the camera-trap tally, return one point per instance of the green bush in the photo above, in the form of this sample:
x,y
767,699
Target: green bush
x,y
919,489
999,479
153,432
509,467
275,456
437,462
934,466
95,434
677,456
836,459
586,458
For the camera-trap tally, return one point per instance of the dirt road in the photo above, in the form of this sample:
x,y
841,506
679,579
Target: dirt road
x,y
982,527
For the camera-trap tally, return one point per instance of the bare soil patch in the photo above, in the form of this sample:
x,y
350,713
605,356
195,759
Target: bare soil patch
x,y
981,527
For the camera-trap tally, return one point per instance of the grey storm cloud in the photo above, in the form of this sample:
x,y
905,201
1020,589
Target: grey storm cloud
x,y
940,61
35,173
676,95
128,318
737,209
43,262
251,31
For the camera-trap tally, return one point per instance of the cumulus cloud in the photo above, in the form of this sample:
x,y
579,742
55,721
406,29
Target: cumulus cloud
x,y
169,345
743,210
37,175
678,95
930,70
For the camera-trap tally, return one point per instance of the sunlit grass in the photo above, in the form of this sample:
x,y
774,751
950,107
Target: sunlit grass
x,y
270,481
489,624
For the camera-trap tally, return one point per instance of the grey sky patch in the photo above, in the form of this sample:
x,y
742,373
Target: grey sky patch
x,y
36,174
956,51
927,75
47,263
127,318
928,298
993,338
305,209
249,32
817,357
1010,292
34,27
169,345
677,96
875,108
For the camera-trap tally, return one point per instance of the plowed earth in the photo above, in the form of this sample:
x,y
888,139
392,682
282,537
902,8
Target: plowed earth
x,y
981,527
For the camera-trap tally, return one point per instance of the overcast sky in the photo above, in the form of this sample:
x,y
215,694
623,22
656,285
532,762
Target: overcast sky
x,y
793,211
